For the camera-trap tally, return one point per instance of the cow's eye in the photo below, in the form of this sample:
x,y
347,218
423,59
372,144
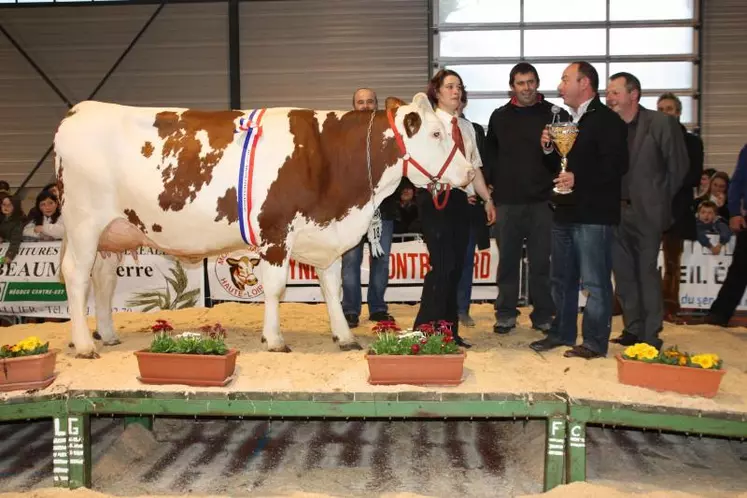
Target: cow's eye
x,y
437,134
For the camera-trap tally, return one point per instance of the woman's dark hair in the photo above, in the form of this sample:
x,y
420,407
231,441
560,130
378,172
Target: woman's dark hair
x,y
50,186
709,172
437,81
38,217
17,209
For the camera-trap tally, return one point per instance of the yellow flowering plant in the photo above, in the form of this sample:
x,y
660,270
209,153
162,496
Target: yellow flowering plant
x,y
671,356
27,347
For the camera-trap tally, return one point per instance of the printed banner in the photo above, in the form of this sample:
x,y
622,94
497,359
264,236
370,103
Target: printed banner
x,y
703,273
236,276
30,285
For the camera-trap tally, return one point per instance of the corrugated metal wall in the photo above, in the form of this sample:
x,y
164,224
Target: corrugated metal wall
x,y
724,82
315,53
181,60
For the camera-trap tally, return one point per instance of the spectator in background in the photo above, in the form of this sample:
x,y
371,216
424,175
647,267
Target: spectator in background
x,y
11,226
479,235
683,227
705,181
710,223
364,99
4,187
716,193
46,223
733,288
407,210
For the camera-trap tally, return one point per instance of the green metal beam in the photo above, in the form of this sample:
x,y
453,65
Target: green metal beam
x,y
279,408
693,423
576,456
555,452
31,410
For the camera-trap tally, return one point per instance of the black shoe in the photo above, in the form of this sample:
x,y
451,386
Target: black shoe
x,y
626,339
712,319
381,316
461,342
352,320
582,352
503,328
546,344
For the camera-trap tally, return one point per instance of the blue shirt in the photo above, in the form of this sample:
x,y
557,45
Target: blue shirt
x,y
738,185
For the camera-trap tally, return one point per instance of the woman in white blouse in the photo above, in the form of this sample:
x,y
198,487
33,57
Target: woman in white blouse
x,y
45,222
446,229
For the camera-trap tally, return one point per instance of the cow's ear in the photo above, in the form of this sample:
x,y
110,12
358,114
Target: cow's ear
x,y
412,123
421,100
393,102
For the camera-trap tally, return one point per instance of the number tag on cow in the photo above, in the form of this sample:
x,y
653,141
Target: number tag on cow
x,y
374,235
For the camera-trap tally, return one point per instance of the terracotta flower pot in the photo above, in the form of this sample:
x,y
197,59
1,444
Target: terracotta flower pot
x,y
28,372
420,370
188,369
661,377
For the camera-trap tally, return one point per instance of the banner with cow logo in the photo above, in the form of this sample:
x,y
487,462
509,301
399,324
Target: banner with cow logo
x,y
30,285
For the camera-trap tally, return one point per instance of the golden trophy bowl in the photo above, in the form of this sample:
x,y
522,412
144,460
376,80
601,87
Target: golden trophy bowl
x,y
563,137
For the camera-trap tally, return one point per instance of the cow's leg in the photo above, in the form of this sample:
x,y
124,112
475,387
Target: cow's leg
x,y
330,281
77,260
104,281
274,279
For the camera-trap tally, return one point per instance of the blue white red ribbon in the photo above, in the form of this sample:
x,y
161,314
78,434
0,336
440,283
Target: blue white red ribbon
x,y
246,173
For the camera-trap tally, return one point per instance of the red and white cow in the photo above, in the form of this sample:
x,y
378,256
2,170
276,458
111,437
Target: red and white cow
x,y
169,179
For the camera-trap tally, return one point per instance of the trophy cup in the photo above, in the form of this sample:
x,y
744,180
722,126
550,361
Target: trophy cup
x,y
563,136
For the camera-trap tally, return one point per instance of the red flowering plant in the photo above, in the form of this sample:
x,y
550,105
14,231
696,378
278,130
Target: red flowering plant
x,y
210,340
427,339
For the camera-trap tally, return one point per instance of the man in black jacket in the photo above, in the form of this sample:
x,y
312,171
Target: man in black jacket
x,y
584,219
522,184
364,99
683,227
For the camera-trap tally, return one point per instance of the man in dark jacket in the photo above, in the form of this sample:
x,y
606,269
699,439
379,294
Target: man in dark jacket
x,y
683,227
658,167
584,219
364,99
522,184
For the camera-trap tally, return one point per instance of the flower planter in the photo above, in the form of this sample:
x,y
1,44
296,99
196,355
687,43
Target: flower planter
x,y
661,377
28,372
419,370
187,369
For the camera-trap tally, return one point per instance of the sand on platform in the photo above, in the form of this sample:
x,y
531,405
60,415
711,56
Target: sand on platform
x,y
497,364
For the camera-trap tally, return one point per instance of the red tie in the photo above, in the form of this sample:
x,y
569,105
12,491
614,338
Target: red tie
x,y
456,134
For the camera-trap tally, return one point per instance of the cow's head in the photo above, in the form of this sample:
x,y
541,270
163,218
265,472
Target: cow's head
x,y
430,149
242,271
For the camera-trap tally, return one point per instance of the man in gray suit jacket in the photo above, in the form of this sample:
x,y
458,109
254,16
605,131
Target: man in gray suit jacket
x,y
658,166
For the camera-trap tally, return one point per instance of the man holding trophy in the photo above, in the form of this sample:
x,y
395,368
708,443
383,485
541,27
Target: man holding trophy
x,y
593,149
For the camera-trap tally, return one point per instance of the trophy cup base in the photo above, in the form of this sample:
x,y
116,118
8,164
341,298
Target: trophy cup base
x,y
562,191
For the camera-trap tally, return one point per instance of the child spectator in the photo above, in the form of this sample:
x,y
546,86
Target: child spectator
x,y
708,223
406,221
11,226
46,222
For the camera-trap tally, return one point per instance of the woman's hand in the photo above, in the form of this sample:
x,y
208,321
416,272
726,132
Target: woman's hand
x,y
490,211
38,229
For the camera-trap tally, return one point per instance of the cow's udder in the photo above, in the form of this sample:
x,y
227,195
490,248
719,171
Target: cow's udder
x,y
122,236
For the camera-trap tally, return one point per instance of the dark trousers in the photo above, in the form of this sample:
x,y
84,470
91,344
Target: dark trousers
x,y
517,222
635,252
446,234
672,245
582,253
732,290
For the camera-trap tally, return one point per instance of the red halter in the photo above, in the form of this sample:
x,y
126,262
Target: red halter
x,y
435,187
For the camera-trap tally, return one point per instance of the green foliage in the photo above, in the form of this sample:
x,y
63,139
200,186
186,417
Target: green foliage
x,y
388,343
164,343
165,300
9,352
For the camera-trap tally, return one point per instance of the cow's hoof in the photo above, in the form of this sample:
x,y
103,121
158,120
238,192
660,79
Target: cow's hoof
x,y
351,346
96,335
281,349
112,343
93,355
